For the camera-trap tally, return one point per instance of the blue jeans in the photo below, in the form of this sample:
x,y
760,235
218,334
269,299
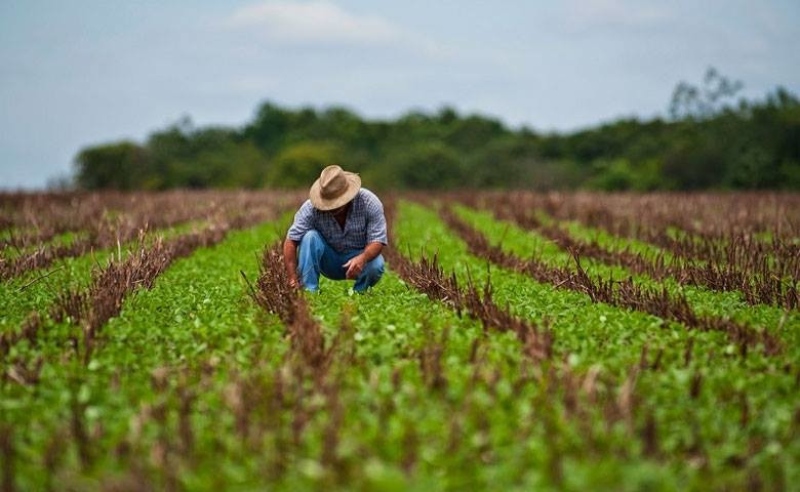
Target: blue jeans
x,y
316,257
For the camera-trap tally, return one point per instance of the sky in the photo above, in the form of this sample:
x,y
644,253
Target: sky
x,y
79,73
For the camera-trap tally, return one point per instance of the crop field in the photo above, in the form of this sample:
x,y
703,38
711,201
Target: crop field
x,y
518,341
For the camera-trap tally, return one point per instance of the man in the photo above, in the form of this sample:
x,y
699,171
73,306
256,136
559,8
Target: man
x,y
338,232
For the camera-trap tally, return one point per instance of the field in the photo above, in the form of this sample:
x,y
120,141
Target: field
x,y
518,341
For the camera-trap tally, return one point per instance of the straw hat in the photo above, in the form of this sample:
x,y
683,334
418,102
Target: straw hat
x,y
334,188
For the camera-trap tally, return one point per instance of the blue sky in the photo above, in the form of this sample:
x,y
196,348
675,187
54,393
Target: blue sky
x,y
74,74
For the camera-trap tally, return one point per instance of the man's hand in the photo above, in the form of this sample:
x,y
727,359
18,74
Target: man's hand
x,y
294,283
357,263
355,266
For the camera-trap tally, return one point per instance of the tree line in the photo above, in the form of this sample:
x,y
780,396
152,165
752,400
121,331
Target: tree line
x,y
709,140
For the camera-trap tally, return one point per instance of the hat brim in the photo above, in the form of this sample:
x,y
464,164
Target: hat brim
x,y
353,185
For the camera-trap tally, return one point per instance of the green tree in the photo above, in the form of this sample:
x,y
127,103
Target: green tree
x,y
709,142
621,175
692,102
503,163
233,165
270,127
427,166
472,133
298,165
694,165
120,165
167,148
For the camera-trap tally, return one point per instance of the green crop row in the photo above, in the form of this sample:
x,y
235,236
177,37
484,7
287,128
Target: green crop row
x,y
192,386
705,302
196,314
37,289
594,334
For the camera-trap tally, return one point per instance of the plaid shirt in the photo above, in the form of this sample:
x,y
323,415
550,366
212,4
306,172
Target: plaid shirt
x,y
365,224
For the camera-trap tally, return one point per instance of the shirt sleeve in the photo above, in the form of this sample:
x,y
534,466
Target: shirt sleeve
x,y
303,222
376,220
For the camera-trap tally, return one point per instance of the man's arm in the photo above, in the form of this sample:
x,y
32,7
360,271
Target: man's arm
x,y
303,222
356,264
290,261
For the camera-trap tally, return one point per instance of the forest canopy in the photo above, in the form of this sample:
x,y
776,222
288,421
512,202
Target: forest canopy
x,y
710,139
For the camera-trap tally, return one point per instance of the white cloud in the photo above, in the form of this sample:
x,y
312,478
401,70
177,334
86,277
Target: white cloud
x,y
318,21
617,13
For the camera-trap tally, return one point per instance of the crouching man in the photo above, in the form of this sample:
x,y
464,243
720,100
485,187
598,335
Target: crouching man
x,y
339,232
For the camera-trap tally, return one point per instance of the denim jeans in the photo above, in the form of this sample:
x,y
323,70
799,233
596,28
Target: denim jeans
x,y
316,257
